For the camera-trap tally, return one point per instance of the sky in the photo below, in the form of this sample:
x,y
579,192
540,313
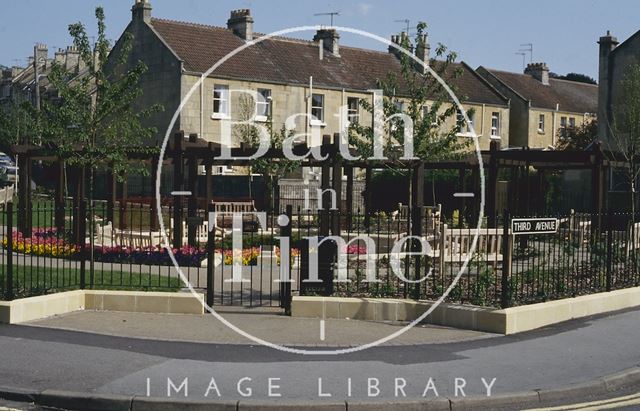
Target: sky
x,y
564,33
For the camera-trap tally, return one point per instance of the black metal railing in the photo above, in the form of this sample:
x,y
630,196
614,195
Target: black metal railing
x,y
79,245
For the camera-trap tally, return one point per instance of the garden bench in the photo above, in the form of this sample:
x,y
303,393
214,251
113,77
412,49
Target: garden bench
x,y
454,245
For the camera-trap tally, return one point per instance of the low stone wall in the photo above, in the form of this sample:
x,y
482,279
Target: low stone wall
x,y
34,308
502,321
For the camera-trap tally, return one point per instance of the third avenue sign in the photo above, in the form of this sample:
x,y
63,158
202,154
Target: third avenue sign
x,y
534,226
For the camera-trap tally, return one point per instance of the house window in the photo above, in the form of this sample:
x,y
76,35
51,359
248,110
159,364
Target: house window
x,y
563,122
495,124
572,122
541,123
464,127
317,107
220,100
263,104
353,112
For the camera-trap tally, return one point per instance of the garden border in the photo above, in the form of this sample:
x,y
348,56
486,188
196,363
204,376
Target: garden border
x,y
502,321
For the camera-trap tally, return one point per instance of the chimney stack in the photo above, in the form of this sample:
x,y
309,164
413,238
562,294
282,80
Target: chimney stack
x,y
72,58
329,38
402,40
141,11
423,49
539,71
59,57
41,54
241,23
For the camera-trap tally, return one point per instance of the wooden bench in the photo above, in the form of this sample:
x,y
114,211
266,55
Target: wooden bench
x,y
454,245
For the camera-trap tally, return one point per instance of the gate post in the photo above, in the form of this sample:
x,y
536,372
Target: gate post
x,y
507,244
211,254
82,232
9,220
285,286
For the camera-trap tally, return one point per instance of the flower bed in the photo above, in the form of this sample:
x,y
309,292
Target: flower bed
x,y
47,243
186,256
295,253
43,242
249,256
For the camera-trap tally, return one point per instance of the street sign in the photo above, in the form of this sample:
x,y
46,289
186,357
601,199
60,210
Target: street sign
x,y
521,226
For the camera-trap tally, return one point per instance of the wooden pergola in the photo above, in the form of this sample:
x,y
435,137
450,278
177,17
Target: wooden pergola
x,y
186,154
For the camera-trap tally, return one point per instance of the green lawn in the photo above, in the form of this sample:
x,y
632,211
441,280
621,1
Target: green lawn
x,y
31,280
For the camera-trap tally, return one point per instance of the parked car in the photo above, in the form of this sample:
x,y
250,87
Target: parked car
x,y
9,168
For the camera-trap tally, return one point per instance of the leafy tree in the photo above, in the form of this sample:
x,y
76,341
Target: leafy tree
x,y
579,137
424,100
625,126
94,121
581,78
269,169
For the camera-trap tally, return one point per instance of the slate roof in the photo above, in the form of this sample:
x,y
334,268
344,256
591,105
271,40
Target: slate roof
x,y
571,96
292,61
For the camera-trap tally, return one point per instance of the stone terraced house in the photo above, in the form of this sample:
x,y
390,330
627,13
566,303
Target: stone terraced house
x,y
312,77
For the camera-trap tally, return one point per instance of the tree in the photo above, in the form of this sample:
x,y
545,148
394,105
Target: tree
x,y
94,121
270,170
625,127
424,100
578,138
580,78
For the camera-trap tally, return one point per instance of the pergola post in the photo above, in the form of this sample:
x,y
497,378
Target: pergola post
x,y
461,189
112,195
417,204
59,196
597,184
368,198
349,171
24,194
122,217
192,204
178,158
153,218
208,181
336,182
492,183
325,186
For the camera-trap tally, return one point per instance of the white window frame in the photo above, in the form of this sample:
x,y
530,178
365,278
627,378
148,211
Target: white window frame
x,y
222,100
572,122
353,115
563,122
495,130
318,120
542,120
263,104
465,130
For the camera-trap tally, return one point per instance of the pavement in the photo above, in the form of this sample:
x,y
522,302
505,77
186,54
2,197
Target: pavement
x,y
78,362
265,324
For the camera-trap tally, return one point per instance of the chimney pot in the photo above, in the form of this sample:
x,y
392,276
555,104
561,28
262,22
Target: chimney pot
x,y
141,11
241,23
329,38
539,71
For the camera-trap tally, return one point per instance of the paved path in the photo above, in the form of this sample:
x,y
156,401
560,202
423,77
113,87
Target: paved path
x,y
271,327
571,353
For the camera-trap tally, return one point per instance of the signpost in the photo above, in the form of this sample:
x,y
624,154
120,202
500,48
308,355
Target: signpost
x,y
520,226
